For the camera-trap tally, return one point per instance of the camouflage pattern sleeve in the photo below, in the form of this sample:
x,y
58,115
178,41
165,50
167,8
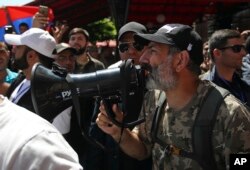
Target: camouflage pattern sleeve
x,y
148,109
237,128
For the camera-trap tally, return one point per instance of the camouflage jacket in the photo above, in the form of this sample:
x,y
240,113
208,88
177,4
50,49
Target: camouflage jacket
x,y
231,133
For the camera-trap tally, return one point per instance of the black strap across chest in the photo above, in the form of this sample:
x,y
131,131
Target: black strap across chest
x,y
201,132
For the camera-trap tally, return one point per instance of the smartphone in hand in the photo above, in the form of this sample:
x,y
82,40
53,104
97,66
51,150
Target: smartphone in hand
x,y
44,10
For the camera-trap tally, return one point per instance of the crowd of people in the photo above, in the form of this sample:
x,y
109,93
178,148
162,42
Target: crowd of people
x,y
183,74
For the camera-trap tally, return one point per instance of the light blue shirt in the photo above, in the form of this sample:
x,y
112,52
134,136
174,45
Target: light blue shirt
x,y
11,76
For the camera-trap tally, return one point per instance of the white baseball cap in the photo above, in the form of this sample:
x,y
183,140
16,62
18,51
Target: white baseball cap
x,y
35,38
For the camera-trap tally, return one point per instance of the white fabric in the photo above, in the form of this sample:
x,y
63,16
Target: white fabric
x,y
35,38
20,90
115,65
62,121
28,142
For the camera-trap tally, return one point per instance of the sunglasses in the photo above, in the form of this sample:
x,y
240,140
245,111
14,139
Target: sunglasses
x,y
123,47
235,48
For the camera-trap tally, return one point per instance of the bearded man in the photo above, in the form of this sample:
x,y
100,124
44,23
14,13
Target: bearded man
x,y
31,47
174,54
79,39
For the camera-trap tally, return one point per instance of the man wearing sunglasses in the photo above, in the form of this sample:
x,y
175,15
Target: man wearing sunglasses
x,y
128,48
227,50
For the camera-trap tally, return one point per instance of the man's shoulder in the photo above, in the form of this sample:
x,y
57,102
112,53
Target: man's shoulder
x,y
97,62
236,120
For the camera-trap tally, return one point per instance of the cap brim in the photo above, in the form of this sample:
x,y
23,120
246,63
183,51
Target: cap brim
x,y
122,33
153,37
57,51
13,39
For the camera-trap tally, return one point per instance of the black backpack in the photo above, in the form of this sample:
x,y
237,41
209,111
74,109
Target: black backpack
x,y
202,129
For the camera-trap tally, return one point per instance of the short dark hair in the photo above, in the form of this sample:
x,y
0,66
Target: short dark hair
x,y
191,66
3,46
23,24
44,60
219,39
79,30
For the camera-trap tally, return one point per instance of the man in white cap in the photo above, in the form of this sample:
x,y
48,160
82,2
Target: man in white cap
x,y
33,46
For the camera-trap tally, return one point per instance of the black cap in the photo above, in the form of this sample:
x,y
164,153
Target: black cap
x,y
132,27
63,46
179,35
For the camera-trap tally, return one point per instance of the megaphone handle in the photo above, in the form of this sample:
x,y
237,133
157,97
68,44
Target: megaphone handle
x,y
111,115
108,108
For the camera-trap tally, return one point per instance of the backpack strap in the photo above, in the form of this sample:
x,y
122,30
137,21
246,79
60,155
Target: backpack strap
x,y
203,128
157,117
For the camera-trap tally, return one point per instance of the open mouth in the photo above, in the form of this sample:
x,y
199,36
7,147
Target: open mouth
x,y
146,67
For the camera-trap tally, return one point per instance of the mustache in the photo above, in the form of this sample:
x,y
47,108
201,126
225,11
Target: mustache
x,y
80,51
146,67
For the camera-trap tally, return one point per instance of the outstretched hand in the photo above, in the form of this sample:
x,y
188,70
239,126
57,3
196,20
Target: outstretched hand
x,y
58,32
40,21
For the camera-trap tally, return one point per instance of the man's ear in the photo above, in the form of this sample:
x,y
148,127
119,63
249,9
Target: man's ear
x,y
182,60
216,54
32,57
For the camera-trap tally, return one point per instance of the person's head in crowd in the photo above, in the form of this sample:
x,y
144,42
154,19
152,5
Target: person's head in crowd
x,y
78,39
65,56
227,49
245,34
207,62
248,44
6,74
34,45
174,53
4,56
127,46
23,27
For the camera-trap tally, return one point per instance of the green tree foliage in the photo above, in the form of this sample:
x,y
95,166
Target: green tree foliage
x,y
102,30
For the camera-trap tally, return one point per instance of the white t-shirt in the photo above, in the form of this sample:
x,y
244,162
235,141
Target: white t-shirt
x,y
115,65
62,121
27,141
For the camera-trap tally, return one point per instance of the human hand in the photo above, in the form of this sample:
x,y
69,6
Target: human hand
x,y
59,30
40,21
105,123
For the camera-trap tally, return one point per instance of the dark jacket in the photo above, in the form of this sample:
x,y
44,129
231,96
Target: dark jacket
x,y
239,88
91,66
25,101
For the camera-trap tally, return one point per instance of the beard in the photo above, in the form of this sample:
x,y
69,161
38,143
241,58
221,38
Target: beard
x,y
162,77
80,51
20,63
